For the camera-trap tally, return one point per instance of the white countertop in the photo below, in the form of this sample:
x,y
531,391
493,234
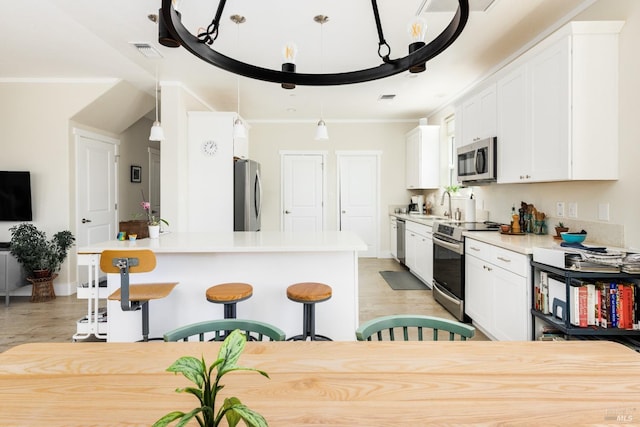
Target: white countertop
x,y
419,218
522,244
243,241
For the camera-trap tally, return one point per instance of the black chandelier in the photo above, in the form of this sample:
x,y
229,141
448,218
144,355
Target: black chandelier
x,y
200,46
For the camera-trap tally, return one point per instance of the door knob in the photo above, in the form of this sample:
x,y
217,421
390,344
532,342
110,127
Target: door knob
x,y
84,220
287,212
344,211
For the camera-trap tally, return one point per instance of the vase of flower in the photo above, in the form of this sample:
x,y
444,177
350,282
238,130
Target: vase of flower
x,y
154,231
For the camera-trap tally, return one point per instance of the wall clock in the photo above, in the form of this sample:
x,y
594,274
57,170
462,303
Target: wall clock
x,y
210,147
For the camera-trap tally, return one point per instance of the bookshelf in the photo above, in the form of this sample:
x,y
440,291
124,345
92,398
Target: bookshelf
x,y
571,278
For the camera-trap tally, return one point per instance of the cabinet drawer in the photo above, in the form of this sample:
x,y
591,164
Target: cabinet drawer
x,y
423,230
503,258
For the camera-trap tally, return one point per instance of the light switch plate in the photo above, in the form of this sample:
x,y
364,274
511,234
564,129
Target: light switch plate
x,y
560,209
603,211
573,210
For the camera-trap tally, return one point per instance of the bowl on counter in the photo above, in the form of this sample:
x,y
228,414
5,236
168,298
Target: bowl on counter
x,y
505,228
573,237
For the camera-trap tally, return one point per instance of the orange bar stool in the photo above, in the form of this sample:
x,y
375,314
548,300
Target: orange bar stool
x,y
309,293
229,294
135,297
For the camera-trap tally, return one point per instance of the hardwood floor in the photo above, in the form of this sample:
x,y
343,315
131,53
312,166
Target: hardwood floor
x,y
55,321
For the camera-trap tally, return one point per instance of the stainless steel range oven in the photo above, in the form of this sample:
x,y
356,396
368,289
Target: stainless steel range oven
x,y
448,263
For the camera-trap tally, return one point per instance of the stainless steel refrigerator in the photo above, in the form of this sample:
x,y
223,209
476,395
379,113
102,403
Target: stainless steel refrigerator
x,y
247,197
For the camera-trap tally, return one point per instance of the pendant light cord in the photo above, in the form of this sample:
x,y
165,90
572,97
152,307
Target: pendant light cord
x,y
156,93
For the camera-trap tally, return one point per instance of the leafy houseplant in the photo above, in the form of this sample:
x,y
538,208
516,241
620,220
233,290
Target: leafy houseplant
x,y
151,219
37,254
196,371
560,228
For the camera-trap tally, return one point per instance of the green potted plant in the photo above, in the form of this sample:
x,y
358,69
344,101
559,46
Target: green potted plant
x,y
196,371
39,257
560,228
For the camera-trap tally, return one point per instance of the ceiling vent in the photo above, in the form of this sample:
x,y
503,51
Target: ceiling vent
x,y
452,6
147,50
386,97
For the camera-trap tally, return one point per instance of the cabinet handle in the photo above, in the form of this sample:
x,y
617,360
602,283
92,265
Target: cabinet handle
x,y
473,248
504,259
484,267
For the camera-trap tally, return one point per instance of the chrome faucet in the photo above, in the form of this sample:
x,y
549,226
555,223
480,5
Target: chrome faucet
x,y
448,213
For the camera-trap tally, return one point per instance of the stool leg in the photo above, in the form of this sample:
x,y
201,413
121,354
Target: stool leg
x,y
309,322
230,311
145,321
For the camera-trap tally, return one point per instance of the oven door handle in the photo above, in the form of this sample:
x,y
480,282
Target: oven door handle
x,y
441,290
456,247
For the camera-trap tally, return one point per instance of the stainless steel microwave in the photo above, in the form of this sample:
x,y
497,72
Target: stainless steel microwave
x,y
477,162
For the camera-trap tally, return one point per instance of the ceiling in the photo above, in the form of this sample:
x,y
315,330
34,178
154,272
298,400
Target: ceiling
x,y
73,40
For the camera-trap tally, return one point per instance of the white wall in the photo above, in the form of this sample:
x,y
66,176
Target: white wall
x,y
622,195
268,139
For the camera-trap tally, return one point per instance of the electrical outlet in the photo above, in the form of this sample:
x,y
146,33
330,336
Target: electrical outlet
x,y
573,210
603,211
560,209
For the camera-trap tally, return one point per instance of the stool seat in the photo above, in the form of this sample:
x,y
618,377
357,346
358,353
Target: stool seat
x,y
229,294
309,293
145,292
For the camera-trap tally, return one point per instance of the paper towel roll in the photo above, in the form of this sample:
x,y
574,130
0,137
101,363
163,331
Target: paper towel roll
x,y
470,210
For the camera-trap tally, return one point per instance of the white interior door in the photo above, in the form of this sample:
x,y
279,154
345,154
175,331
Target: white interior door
x,y
96,190
303,192
359,189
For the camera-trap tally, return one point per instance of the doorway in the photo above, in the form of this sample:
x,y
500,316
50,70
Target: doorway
x,y
359,196
96,187
303,192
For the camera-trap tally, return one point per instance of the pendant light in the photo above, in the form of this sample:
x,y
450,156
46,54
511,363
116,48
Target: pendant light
x,y
322,134
157,134
239,130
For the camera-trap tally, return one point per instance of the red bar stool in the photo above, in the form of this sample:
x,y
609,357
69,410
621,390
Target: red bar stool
x,y
229,294
309,293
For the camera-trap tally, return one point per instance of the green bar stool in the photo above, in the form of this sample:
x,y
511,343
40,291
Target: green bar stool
x,y
309,293
229,294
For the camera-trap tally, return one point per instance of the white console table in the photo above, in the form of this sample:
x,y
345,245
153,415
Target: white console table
x,y
11,274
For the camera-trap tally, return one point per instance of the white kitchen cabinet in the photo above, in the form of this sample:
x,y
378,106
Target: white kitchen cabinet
x,y
422,165
393,237
478,116
514,140
497,291
419,251
569,107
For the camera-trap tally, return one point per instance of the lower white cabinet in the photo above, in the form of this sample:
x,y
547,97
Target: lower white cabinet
x,y
419,251
393,237
497,291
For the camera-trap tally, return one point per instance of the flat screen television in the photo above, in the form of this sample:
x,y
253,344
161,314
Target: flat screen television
x,y
15,196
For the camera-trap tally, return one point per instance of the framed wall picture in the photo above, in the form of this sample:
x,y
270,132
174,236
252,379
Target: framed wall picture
x,y
136,173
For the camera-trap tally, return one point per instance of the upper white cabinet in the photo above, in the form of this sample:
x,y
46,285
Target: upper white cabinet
x,y
478,116
514,138
423,157
558,107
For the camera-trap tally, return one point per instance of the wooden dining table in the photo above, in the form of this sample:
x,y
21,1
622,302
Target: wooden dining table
x,y
330,383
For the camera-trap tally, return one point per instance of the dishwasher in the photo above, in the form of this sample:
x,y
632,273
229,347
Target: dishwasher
x,y
400,240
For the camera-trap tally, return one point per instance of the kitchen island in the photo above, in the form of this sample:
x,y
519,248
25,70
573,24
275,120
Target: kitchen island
x,y
269,261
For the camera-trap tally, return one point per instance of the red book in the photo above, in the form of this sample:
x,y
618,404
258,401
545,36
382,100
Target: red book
x,y
628,306
583,306
620,307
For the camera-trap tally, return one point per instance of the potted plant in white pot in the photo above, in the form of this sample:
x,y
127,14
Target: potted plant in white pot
x,y
152,221
39,257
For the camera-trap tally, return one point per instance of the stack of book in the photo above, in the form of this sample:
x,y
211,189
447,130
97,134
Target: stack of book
x,y
604,304
631,264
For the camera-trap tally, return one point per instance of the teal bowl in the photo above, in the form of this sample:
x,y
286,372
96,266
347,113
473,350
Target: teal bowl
x,y
573,237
